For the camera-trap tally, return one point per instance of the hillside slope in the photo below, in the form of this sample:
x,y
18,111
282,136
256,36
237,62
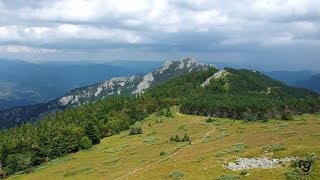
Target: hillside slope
x,y
23,83
227,81
311,83
237,94
213,145
115,86
290,77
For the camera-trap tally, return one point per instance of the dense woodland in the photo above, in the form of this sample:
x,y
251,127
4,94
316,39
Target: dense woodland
x,y
249,107
29,145
242,94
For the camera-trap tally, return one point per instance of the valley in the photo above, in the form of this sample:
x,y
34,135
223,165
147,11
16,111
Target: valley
x,y
152,155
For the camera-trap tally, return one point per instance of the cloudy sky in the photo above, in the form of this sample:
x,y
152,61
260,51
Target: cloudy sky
x,y
273,33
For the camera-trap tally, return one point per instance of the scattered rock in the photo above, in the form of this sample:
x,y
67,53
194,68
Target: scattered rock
x,y
253,163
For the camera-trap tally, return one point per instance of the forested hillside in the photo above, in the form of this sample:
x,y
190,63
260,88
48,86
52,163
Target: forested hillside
x,y
29,145
240,94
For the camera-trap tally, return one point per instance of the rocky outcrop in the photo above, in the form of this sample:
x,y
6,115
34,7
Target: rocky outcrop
x,y
254,163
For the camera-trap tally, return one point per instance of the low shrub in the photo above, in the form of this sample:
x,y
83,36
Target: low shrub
x,y
244,172
165,112
236,148
135,129
177,139
209,120
85,143
151,140
287,116
185,138
294,175
274,148
228,177
177,174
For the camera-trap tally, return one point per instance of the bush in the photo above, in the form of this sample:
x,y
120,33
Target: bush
x,y
18,162
135,129
273,148
162,153
85,143
209,120
294,175
249,116
244,172
151,140
160,113
236,148
2,174
92,132
286,115
165,112
177,174
185,138
171,138
177,139
168,112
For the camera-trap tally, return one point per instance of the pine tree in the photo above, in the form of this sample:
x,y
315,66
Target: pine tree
x,y
92,133
85,143
177,139
185,138
4,153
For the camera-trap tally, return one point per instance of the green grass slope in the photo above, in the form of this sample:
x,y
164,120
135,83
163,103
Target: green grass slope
x,y
152,156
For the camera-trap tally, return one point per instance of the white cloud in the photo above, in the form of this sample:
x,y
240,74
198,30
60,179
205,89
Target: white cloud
x,y
24,49
40,35
159,25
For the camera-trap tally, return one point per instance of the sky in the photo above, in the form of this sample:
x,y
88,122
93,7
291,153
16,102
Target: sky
x,y
280,34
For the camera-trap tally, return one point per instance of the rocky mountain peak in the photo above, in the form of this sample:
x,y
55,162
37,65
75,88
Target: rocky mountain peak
x,y
185,64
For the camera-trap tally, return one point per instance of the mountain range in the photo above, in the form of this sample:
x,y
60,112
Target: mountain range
x,y
23,83
124,85
312,83
166,81
304,79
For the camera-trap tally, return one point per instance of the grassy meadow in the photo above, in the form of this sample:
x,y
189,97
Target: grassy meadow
x,y
152,156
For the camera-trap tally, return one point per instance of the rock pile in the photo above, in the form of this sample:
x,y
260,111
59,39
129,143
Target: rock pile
x,y
252,163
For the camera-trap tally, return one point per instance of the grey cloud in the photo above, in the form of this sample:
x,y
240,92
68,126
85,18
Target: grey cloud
x,y
240,30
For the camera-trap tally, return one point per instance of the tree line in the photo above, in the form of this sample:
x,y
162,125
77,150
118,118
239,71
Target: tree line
x,y
249,107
